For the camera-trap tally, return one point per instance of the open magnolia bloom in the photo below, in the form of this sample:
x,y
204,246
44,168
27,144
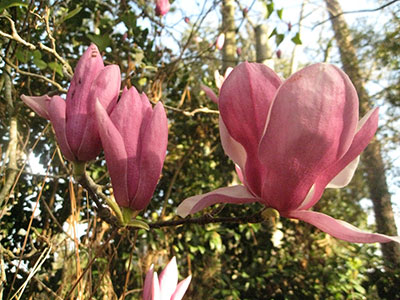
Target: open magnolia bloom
x,y
290,140
167,287
73,119
134,138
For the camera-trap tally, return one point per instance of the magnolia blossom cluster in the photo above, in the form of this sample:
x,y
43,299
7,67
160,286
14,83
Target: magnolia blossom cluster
x,y
290,140
133,135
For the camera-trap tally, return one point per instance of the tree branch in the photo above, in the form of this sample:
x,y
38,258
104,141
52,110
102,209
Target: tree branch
x,y
207,219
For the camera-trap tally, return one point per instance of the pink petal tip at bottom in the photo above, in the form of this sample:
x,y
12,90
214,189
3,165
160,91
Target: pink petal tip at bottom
x,y
237,194
340,229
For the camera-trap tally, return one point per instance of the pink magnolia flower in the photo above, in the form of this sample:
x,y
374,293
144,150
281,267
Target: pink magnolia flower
x,y
134,139
162,7
220,41
290,140
167,287
73,118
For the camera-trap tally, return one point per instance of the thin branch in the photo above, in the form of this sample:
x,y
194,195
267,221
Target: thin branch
x,y
95,192
14,34
18,70
355,12
207,219
66,67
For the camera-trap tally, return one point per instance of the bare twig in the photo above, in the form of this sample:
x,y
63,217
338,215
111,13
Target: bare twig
x,y
356,12
95,193
14,34
66,66
59,87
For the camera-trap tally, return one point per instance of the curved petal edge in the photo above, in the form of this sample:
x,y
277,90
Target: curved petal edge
x,y
340,229
236,194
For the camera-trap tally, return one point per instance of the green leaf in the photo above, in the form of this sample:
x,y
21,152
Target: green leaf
x,y
279,38
138,224
72,13
296,39
274,32
270,9
279,12
23,55
40,63
37,54
10,3
101,41
56,67
130,20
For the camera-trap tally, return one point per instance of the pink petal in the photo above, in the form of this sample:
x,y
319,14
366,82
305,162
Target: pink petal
x,y
39,104
169,280
181,288
156,291
237,194
360,142
105,88
219,79
56,112
340,229
220,41
344,177
232,148
210,93
154,140
115,153
312,124
87,69
245,100
244,103
130,115
148,282
239,173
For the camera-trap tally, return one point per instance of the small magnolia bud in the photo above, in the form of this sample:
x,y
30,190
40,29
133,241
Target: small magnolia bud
x,y
278,53
187,20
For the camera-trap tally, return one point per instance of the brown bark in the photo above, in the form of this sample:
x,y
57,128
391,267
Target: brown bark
x,y
229,28
13,142
372,157
263,49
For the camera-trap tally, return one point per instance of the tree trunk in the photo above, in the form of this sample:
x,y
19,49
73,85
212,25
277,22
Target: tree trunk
x,y
263,49
228,27
372,157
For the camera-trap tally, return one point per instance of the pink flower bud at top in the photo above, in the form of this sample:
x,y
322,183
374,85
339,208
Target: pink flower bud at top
x,y
162,7
73,118
220,41
289,25
245,11
187,20
278,53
